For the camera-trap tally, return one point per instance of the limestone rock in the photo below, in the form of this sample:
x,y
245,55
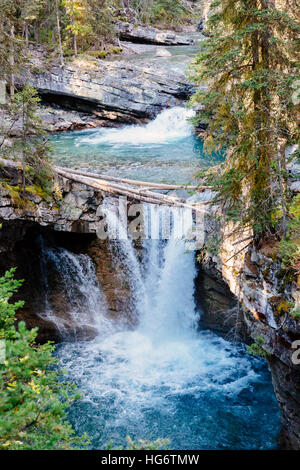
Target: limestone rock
x,y
161,52
150,35
115,91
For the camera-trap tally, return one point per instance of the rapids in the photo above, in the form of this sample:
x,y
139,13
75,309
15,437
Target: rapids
x,y
167,377
164,150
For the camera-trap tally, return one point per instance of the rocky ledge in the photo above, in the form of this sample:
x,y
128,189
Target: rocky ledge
x,y
54,119
69,221
267,296
114,91
150,35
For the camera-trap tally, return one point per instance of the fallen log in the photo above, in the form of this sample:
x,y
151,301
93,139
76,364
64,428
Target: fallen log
x,y
143,196
135,182
132,191
10,164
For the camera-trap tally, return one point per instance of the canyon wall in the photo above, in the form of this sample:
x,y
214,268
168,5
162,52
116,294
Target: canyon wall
x,y
267,296
115,91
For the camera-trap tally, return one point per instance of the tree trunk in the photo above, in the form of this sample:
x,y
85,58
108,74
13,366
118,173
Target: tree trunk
x,y
61,56
26,34
282,184
145,184
75,45
23,152
12,63
138,195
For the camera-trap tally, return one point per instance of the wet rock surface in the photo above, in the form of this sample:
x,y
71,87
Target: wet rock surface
x,y
71,223
113,280
267,295
54,119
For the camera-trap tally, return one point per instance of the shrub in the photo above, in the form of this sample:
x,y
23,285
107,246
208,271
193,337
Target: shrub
x,y
33,399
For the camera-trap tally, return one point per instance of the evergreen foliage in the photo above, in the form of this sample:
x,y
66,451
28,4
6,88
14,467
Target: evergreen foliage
x,y
76,25
33,152
249,65
33,398
256,349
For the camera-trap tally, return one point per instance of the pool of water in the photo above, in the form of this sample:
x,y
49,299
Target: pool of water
x,y
200,392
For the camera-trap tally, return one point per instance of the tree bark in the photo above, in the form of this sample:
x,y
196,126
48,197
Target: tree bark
x,y
12,63
26,34
135,182
61,56
118,190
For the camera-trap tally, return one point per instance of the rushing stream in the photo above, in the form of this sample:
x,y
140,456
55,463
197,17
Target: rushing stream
x,y
166,377
165,150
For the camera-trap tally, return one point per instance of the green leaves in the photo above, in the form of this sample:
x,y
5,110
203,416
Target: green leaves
x,y
8,286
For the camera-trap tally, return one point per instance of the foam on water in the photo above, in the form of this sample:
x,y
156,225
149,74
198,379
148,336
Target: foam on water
x,y
165,150
171,124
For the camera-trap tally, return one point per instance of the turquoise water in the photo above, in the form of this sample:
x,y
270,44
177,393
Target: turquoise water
x,y
202,394
165,150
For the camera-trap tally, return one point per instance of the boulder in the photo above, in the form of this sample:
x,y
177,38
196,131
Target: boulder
x,y
150,35
162,52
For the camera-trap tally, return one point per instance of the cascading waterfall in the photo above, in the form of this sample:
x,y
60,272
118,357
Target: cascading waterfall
x,y
167,263
165,378
84,302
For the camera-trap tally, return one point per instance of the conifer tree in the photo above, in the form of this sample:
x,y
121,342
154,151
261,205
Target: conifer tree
x,y
11,53
79,25
33,152
33,399
249,66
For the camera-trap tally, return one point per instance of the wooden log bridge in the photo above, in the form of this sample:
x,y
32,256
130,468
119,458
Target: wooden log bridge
x,y
142,191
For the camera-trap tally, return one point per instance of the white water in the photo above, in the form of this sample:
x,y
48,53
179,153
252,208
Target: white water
x,y
169,125
165,378
85,304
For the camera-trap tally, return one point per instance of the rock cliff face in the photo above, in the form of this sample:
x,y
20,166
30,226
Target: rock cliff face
x,y
115,91
150,35
267,296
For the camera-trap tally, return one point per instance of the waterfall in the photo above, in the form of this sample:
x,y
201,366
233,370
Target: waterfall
x,y
165,377
169,273
155,275
160,300
73,297
171,124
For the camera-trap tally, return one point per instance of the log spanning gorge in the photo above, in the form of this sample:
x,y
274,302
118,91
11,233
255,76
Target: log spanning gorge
x,y
132,318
